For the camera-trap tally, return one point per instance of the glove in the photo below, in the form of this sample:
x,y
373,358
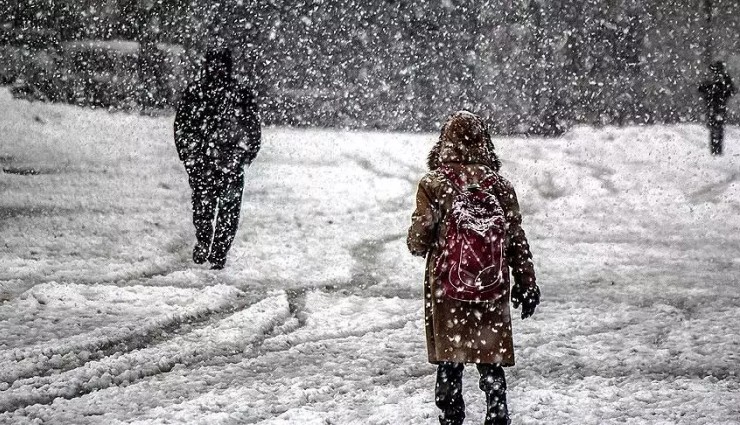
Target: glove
x,y
529,299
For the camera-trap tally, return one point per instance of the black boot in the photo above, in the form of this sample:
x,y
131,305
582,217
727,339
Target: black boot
x,y
455,421
200,254
448,393
493,383
218,264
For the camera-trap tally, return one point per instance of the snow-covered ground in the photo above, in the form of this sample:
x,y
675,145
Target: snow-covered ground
x,y
317,318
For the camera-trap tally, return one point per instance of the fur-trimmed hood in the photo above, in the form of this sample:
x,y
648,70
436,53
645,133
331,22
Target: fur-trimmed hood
x,y
465,139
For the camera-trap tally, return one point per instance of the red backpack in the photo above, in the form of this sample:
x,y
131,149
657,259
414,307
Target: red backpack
x,y
471,267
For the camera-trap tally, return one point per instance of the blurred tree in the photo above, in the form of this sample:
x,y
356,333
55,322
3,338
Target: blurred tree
x,y
708,35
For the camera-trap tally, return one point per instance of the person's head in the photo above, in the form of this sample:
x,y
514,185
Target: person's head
x,y
717,67
218,65
464,128
464,137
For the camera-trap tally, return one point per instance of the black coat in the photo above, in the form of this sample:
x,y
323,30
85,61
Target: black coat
x,y
716,92
217,128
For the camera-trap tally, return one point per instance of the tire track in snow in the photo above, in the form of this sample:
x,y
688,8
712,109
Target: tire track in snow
x,y
711,192
548,188
134,272
14,287
278,336
368,166
237,333
600,173
303,348
366,270
281,352
366,274
43,359
285,337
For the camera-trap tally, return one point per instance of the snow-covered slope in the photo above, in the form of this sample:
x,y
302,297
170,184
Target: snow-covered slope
x,y
317,317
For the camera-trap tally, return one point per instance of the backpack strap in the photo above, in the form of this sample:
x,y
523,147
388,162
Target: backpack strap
x,y
451,178
488,181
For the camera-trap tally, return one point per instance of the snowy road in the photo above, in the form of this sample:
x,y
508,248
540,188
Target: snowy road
x,y
317,317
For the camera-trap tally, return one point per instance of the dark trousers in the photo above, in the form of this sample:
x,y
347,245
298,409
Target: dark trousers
x,y
449,398
716,136
217,200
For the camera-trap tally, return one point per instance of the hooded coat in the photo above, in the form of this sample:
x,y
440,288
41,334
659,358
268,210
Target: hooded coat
x,y
458,331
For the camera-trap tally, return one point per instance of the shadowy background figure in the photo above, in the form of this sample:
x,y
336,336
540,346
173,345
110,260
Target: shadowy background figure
x,y
217,133
716,92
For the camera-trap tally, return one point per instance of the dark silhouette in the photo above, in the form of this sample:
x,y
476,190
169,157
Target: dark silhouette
x,y
217,133
716,91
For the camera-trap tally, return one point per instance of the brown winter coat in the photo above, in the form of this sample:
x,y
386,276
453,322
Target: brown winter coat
x,y
457,331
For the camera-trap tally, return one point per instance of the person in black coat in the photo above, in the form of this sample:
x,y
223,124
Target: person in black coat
x,y
217,133
716,92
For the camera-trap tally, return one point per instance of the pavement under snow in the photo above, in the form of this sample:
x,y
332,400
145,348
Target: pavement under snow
x,y
317,318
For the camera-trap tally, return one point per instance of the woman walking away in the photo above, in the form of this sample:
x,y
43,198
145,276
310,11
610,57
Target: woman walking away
x,y
467,224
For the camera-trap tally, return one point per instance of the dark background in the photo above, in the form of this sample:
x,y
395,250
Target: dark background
x,y
529,66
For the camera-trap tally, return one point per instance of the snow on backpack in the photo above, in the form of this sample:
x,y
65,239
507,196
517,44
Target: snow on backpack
x,y
471,267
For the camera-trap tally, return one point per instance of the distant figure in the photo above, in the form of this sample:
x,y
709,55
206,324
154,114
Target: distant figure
x,y
217,133
716,92
468,226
